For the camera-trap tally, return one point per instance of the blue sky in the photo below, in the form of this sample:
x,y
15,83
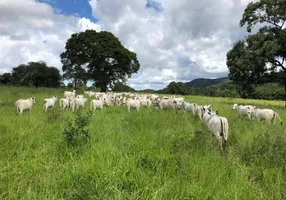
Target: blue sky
x,y
80,8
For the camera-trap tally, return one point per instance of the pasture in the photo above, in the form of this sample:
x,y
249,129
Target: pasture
x,y
152,154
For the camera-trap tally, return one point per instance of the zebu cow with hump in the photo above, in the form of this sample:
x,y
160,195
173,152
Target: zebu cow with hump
x,y
265,114
23,104
218,126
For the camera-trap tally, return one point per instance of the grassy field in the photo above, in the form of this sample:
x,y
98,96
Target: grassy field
x,y
148,155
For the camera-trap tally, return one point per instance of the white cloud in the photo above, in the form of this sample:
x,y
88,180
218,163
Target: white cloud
x,y
174,40
33,31
186,39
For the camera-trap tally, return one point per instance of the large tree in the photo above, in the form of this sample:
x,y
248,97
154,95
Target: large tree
x,y
247,64
265,50
5,78
121,87
101,55
36,74
176,88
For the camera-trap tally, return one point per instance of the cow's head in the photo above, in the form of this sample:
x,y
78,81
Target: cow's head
x,y
33,99
234,106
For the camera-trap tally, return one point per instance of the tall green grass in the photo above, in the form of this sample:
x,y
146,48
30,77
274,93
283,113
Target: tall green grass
x,y
148,155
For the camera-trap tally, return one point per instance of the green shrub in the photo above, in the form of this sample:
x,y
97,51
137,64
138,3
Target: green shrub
x,y
75,132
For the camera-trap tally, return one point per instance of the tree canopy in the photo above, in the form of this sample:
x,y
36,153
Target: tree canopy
x,y
5,78
36,74
262,52
121,87
176,88
100,56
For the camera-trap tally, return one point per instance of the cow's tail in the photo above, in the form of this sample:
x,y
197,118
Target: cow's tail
x,y
224,130
274,116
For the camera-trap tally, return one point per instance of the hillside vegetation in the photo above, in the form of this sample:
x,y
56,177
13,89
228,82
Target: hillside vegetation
x,y
205,82
152,154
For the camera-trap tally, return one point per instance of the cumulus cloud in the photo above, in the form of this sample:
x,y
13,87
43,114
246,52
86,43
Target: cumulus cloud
x,y
34,31
187,39
174,40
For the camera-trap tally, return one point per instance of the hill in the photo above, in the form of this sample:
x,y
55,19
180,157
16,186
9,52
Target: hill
x,y
205,82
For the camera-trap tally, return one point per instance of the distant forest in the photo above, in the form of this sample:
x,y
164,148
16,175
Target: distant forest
x,y
268,87
37,74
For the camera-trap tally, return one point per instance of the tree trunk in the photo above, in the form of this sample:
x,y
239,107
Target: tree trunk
x,y
75,83
103,87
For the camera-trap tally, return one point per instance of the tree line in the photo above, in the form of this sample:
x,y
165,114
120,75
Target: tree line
x,y
270,90
36,74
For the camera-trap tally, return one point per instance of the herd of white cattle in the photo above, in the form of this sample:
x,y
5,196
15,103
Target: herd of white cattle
x,y
217,125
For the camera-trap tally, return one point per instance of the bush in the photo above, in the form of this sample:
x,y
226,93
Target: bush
x,y
75,132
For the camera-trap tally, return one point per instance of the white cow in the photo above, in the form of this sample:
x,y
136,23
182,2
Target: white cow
x,y
50,102
200,110
80,96
71,103
107,101
64,103
189,107
145,102
23,104
68,94
168,103
132,103
80,102
207,115
265,114
243,110
218,126
95,103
